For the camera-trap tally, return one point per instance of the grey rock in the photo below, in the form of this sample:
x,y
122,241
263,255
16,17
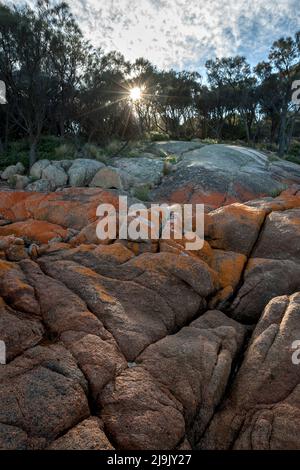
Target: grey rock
x,y
40,186
11,170
146,168
56,175
177,147
18,181
109,177
82,171
220,174
38,167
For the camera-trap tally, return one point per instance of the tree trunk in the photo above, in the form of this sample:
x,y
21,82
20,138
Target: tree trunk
x,y
290,134
282,134
62,126
247,131
32,153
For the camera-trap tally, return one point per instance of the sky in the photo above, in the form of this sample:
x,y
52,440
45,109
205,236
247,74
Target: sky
x,y
183,34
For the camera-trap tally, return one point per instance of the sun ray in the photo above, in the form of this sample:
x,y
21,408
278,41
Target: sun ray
x,y
135,93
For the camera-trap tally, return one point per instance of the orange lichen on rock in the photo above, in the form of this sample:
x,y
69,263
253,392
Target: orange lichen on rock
x,y
234,228
116,252
35,230
15,289
179,246
229,266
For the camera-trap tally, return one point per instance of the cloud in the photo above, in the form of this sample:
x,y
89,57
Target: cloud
x,y
185,33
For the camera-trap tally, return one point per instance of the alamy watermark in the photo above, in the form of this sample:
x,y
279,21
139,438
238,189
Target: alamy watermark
x,y
2,92
296,92
160,221
2,352
296,353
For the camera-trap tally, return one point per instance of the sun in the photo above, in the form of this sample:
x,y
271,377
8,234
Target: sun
x,y
135,93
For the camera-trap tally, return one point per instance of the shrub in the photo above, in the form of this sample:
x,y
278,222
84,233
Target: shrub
x,y
17,151
95,153
64,151
142,192
114,147
47,147
156,136
294,153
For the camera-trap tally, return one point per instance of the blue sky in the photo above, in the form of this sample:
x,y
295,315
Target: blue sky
x,y
185,33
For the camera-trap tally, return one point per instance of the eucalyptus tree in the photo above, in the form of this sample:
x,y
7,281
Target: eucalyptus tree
x,y
284,58
26,69
232,79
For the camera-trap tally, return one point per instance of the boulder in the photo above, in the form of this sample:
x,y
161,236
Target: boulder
x,y
35,230
132,331
112,178
234,228
18,333
145,169
38,167
218,174
12,170
63,164
56,175
42,393
15,289
176,147
263,280
262,410
18,181
82,171
280,237
42,185
69,314
273,268
87,435
140,415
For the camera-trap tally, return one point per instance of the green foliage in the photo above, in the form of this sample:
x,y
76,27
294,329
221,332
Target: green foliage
x,y
114,147
65,152
142,192
156,136
209,141
294,153
49,148
17,152
95,153
95,105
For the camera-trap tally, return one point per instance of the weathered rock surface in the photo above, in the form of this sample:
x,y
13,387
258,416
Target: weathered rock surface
x,y
82,171
56,175
113,178
146,345
262,410
222,174
190,372
87,435
12,170
146,168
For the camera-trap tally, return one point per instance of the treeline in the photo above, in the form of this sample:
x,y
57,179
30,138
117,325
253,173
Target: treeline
x,y
58,84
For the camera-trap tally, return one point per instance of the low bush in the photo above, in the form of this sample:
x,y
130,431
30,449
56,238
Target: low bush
x,y
156,136
294,152
142,192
